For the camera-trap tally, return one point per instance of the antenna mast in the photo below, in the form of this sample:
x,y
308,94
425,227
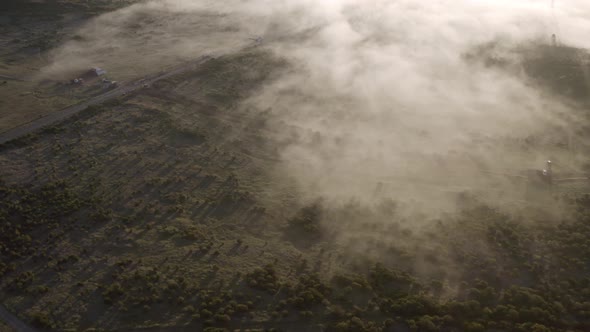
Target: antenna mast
x,y
555,27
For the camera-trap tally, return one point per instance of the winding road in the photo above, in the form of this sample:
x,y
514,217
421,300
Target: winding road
x,y
67,112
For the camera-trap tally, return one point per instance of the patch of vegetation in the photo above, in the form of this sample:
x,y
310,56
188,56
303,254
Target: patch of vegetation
x,y
42,320
26,213
231,78
264,279
558,69
307,221
152,216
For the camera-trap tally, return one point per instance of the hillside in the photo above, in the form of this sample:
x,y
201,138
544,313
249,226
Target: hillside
x,y
160,210
275,187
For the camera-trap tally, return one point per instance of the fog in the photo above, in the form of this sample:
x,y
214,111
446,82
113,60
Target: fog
x,y
381,99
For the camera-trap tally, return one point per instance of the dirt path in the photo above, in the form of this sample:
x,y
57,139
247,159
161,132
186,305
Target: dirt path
x,y
65,113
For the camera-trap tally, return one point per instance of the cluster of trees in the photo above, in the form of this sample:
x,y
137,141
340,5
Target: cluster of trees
x,y
389,300
307,221
532,277
27,213
265,279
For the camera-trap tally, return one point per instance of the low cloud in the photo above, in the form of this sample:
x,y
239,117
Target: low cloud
x,y
382,97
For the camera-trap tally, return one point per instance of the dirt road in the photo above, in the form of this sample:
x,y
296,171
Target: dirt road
x,y
65,113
